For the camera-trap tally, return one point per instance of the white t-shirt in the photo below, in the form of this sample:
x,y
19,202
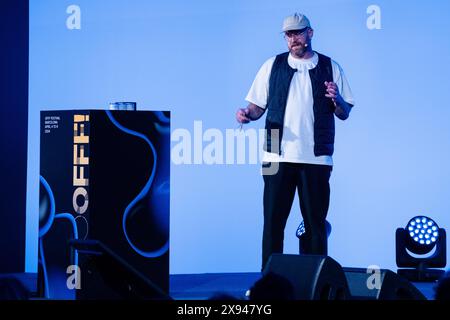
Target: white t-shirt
x,y
297,144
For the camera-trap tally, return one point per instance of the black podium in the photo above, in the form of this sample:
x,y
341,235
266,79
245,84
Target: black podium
x,y
104,178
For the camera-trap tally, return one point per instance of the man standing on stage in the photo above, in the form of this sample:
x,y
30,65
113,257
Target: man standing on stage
x,y
302,90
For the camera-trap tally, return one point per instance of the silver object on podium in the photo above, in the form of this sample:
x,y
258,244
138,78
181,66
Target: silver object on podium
x,y
129,106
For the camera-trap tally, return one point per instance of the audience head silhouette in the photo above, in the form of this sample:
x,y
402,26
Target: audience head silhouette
x,y
12,289
272,286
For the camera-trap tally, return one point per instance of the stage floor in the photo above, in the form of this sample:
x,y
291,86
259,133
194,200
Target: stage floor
x,y
204,286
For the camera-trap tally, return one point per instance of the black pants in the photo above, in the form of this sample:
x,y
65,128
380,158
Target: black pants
x,y
312,183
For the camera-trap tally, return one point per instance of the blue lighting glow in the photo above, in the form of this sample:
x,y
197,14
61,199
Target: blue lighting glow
x,y
423,230
86,68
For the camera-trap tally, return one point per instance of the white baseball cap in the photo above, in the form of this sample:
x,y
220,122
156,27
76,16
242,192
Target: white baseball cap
x,y
297,21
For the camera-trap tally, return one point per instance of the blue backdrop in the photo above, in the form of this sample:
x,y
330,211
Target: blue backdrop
x,y
198,59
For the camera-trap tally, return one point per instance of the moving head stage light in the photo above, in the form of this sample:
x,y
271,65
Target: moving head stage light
x,y
420,246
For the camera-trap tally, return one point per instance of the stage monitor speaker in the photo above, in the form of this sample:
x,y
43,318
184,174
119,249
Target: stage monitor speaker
x,y
313,277
390,286
105,275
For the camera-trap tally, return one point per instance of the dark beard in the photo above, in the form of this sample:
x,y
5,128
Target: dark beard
x,y
299,52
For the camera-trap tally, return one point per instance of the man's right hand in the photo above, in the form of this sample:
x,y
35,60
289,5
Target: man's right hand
x,y
242,115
